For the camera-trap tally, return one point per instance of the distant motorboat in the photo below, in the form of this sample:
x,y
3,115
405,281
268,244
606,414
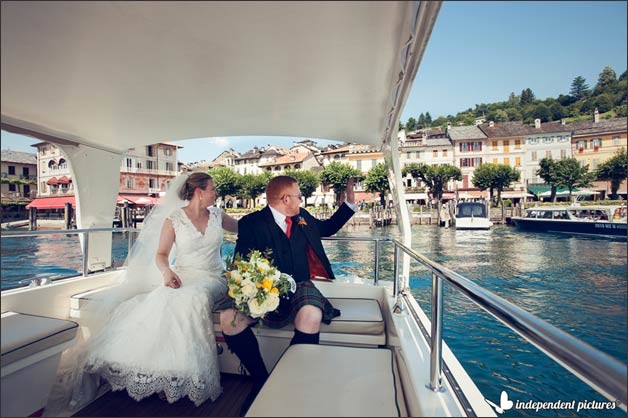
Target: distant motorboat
x,y
590,220
472,215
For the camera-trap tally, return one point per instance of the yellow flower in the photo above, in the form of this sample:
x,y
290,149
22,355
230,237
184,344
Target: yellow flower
x,y
258,285
230,293
267,284
274,290
228,275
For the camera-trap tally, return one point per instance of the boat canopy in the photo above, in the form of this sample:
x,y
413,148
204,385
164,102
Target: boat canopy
x,y
120,74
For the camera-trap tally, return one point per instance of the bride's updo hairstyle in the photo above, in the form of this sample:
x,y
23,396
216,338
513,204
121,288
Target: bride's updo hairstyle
x,y
194,181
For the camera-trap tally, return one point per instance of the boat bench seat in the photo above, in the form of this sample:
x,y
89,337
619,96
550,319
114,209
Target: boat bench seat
x,y
333,381
360,318
31,349
357,316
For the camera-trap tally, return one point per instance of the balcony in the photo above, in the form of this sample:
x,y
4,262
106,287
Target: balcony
x,y
154,190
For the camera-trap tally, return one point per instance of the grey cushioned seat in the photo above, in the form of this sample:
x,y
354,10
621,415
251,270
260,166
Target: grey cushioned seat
x,y
24,335
332,381
358,316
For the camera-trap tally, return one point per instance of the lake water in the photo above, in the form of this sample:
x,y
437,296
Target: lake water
x,y
576,283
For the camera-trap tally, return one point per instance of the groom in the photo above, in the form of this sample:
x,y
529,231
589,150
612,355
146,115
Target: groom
x,y
294,238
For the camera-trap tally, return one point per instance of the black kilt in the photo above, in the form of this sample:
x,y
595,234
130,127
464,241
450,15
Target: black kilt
x,y
306,294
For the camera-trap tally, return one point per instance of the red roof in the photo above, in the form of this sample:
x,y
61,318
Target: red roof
x,y
52,180
141,200
51,202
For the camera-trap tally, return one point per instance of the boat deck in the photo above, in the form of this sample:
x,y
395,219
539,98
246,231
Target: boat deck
x,y
120,404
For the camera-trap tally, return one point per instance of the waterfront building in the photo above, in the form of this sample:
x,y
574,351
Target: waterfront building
x,y
149,170
19,175
293,160
145,172
595,141
247,162
18,184
469,144
544,140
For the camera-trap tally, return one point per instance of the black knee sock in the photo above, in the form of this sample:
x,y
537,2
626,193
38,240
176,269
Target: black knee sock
x,y
304,338
245,346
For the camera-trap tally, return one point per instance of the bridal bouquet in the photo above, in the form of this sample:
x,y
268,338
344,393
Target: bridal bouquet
x,y
256,285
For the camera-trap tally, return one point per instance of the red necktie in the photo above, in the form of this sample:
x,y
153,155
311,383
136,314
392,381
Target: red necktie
x,y
289,222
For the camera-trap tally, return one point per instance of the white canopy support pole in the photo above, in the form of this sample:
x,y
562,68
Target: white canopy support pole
x,y
96,177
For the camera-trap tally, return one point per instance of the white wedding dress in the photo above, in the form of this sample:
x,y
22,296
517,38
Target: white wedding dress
x,y
164,340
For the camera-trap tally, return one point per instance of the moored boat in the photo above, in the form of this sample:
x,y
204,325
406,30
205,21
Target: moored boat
x,y
472,215
589,220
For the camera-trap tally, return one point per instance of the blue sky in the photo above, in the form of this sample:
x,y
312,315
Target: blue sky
x,y
480,52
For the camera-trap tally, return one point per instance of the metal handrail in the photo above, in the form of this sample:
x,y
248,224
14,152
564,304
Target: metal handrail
x,y
595,368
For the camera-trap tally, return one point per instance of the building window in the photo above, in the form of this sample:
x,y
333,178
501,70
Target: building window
x,y
495,161
12,187
444,153
150,151
169,166
139,164
11,170
168,152
517,144
548,154
532,140
129,163
494,145
152,183
435,153
25,172
533,156
506,161
358,164
596,143
581,145
506,146
130,183
150,164
563,153
63,165
616,140
517,161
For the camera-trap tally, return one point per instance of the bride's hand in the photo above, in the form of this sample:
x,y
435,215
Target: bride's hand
x,y
171,279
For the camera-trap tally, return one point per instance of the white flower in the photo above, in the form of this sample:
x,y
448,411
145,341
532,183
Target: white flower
x,y
248,288
235,275
263,265
271,303
257,311
275,276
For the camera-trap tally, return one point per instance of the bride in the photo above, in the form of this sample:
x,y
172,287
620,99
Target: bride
x,y
163,341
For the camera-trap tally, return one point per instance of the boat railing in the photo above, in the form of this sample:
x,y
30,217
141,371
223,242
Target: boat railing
x,y
600,371
597,369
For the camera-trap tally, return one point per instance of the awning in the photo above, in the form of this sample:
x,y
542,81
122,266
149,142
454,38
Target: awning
x,y
51,202
516,194
417,196
140,200
52,180
64,180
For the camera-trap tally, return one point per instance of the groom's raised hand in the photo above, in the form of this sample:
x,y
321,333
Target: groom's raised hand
x,y
350,193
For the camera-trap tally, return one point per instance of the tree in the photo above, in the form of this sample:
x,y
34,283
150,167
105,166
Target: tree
x,y
542,112
607,78
377,182
411,125
579,88
615,170
494,177
434,177
307,181
557,111
428,119
547,171
226,181
337,176
253,185
570,174
527,97
421,122
603,103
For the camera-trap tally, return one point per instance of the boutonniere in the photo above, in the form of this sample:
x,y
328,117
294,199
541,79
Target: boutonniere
x,y
302,221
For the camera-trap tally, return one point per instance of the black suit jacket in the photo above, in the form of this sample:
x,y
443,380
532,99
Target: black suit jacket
x,y
259,231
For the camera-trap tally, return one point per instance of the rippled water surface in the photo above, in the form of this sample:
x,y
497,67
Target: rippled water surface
x,y
576,283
